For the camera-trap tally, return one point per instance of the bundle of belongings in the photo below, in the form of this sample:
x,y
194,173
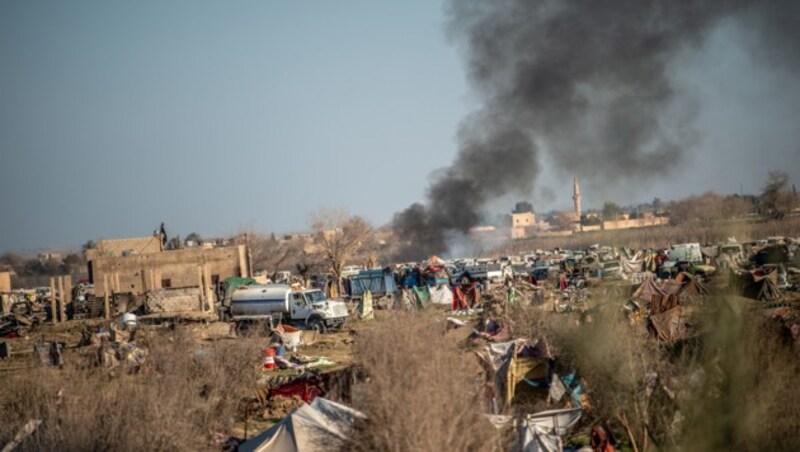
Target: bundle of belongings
x,y
434,272
495,329
117,346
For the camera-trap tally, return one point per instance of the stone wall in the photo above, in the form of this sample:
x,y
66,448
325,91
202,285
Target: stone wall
x,y
140,273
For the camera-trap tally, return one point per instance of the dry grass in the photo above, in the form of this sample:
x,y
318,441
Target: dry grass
x,y
749,399
183,395
730,387
422,392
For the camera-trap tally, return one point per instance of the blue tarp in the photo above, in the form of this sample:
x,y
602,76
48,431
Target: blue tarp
x,y
378,282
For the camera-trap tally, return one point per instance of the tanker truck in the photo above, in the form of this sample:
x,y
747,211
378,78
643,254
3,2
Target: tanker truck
x,y
307,308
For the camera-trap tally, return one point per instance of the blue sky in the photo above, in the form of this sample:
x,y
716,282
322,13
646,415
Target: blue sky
x,y
215,116
212,116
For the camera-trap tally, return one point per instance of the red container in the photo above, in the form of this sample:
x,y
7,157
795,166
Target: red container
x,y
269,358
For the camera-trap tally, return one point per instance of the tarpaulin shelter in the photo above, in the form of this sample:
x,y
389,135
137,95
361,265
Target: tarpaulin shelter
x,y
540,432
509,363
692,288
310,427
757,285
441,294
650,288
555,421
667,325
423,295
636,264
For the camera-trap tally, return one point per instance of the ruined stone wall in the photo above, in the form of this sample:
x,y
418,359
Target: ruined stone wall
x,y
181,268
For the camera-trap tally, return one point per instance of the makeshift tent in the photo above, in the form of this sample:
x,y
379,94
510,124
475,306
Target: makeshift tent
x,y
310,427
632,265
692,287
757,285
423,296
509,363
441,294
650,288
542,431
667,325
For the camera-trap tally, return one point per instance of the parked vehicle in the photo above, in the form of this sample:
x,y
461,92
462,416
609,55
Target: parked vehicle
x,y
686,252
279,303
380,283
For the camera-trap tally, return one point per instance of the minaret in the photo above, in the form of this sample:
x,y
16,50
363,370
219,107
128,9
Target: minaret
x,y
576,197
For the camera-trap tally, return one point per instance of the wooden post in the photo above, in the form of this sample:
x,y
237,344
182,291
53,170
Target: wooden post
x,y
153,281
67,294
117,288
209,291
62,299
53,300
201,286
106,308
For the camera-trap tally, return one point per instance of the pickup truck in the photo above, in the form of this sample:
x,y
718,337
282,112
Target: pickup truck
x,y
302,308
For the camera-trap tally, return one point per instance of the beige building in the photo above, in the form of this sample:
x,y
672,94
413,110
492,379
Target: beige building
x,y
121,266
125,247
5,282
628,223
521,222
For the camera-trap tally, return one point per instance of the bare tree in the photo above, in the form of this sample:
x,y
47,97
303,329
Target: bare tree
x,y
561,221
271,254
776,197
339,236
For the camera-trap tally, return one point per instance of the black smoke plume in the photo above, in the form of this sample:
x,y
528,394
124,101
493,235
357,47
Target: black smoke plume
x,y
586,81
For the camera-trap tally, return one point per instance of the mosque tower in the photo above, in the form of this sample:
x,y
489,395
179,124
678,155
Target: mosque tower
x,y
576,197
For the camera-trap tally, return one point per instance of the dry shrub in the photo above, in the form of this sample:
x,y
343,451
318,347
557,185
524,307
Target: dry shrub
x,y
732,386
185,393
749,399
421,393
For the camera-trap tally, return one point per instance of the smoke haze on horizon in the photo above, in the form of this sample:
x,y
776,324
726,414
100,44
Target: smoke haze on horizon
x,y
595,86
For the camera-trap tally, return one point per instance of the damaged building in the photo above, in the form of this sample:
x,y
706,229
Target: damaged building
x,y
139,265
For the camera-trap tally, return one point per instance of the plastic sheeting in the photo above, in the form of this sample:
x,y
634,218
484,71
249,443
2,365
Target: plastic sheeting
x,y
441,295
310,427
541,432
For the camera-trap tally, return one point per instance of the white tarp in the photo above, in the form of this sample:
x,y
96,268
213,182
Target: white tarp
x,y
441,295
312,427
541,432
557,421
536,438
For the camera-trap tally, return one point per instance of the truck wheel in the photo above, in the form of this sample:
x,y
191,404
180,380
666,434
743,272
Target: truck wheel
x,y
316,323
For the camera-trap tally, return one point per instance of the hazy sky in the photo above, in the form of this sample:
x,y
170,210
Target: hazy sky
x,y
212,116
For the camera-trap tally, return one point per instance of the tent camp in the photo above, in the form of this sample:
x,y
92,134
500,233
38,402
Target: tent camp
x,y
315,426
